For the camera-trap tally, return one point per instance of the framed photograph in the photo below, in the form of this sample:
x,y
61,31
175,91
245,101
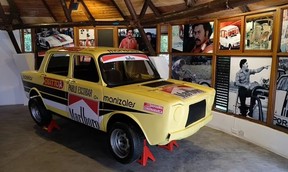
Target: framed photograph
x,y
281,100
193,38
130,38
47,38
258,32
86,37
249,86
230,34
196,69
284,31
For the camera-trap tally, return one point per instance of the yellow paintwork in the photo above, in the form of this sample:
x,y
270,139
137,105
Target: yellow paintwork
x,y
158,128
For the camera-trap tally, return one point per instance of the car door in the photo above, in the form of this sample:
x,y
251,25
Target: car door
x,y
84,91
54,83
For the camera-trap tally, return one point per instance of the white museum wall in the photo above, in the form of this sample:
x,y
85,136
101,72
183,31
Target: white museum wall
x,y
11,64
268,138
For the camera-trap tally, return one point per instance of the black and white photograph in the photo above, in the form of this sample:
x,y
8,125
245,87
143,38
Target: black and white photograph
x,y
281,100
196,69
249,87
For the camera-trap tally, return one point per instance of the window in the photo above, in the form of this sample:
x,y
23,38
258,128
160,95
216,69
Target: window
x,y
58,64
85,68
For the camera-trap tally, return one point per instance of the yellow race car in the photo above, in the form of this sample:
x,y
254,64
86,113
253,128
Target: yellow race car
x,y
117,91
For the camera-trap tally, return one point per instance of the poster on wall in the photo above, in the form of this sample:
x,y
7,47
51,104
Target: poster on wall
x,y
47,38
86,37
230,35
196,69
281,100
259,32
249,86
284,35
193,38
131,38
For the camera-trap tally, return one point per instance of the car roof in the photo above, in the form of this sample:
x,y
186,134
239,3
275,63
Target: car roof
x,y
93,50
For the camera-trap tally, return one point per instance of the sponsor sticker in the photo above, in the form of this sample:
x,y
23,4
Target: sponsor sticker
x,y
119,101
53,83
84,111
153,108
121,57
181,91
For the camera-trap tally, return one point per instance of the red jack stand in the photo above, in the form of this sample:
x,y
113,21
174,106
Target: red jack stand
x,y
51,126
146,154
170,145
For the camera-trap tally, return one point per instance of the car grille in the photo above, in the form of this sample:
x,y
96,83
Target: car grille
x,y
196,112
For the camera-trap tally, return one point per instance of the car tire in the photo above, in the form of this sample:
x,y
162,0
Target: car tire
x,y
48,45
125,143
38,112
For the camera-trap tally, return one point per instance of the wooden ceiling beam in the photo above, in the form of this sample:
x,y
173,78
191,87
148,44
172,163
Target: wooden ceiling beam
x,y
14,41
144,8
154,9
66,10
119,10
202,9
49,10
70,24
14,12
139,26
87,11
244,8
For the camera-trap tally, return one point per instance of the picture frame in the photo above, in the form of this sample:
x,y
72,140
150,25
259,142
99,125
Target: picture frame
x,y
249,102
259,32
193,38
281,96
284,32
229,35
195,69
151,34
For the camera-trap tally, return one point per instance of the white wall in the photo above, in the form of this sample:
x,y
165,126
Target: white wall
x,y
11,89
268,138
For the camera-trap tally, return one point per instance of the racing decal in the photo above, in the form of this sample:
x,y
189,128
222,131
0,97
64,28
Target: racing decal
x,y
153,108
27,77
80,90
53,82
181,90
59,38
84,111
119,101
126,57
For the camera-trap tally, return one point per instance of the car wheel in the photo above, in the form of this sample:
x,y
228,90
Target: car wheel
x,y
38,112
126,144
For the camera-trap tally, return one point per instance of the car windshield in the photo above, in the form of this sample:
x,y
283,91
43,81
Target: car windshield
x,y
122,69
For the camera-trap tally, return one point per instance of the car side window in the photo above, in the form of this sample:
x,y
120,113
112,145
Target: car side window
x,y
85,68
58,64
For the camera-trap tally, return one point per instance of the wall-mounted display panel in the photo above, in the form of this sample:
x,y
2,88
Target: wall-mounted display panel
x,y
131,38
196,69
193,38
258,31
284,33
281,100
47,38
86,37
244,81
230,34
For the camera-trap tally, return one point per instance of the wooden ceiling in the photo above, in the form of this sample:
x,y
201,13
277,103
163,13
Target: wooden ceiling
x,y
17,14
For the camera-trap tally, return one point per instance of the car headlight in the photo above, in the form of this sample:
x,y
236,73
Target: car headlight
x,y
178,113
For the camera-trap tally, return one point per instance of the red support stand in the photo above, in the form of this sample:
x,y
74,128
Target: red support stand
x,y
146,154
170,146
51,126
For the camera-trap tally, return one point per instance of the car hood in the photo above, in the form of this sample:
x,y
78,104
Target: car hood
x,y
167,90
